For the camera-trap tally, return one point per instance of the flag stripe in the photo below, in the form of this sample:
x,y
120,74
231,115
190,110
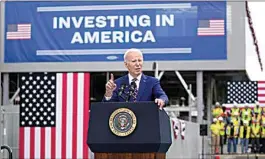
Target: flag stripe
x,y
21,142
37,141
261,85
59,111
64,113
47,145
74,134
80,121
86,112
32,142
202,34
19,37
69,115
261,90
24,25
53,143
27,144
42,143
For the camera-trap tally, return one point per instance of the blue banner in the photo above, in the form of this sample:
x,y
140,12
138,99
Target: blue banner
x,y
103,31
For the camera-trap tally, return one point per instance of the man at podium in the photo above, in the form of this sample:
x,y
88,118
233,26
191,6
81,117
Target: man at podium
x,y
135,86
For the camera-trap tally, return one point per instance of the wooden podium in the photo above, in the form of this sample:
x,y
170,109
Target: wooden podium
x,y
125,130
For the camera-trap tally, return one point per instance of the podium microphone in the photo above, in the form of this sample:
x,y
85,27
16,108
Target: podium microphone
x,y
132,88
121,89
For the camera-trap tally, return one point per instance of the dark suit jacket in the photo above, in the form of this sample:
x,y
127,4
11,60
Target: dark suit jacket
x,y
149,89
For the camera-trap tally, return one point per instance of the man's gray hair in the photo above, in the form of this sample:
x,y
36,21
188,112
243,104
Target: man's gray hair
x,y
131,50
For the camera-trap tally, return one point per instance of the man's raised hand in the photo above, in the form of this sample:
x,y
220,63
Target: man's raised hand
x,y
110,86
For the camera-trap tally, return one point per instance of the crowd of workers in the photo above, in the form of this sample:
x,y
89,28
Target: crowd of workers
x,y
244,126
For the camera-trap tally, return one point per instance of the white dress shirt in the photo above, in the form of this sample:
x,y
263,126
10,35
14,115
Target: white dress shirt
x,y
137,81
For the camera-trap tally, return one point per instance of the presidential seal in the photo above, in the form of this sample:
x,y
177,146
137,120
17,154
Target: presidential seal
x,y
122,122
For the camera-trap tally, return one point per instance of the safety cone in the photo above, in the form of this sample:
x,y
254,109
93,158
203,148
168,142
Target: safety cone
x,y
217,152
217,157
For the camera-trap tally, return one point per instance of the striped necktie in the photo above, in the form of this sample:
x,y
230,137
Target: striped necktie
x,y
135,91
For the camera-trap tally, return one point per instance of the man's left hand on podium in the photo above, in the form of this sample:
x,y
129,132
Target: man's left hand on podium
x,y
160,102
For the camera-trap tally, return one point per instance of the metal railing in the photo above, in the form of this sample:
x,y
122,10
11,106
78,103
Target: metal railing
x,y
9,150
9,131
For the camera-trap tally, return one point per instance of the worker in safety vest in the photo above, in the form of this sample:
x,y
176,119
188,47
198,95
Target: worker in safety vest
x,y
215,132
246,119
232,135
235,111
236,122
263,109
217,111
222,132
262,119
257,109
235,119
246,110
255,135
244,134
255,118
262,139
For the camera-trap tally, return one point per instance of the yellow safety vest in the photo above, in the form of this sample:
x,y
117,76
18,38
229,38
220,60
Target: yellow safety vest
x,y
263,119
256,119
242,132
222,126
235,121
255,131
263,132
246,110
234,110
257,110
228,131
215,129
246,121
217,112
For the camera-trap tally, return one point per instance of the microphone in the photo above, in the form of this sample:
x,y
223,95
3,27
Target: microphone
x,y
132,88
121,89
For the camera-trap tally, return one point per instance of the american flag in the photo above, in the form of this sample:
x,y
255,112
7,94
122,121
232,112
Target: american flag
x,y
211,28
54,114
243,92
18,31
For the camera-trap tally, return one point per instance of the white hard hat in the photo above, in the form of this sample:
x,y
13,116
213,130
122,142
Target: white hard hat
x,y
246,113
236,113
217,104
214,119
220,118
257,103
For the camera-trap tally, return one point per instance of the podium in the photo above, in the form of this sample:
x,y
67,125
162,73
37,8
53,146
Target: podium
x,y
125,130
